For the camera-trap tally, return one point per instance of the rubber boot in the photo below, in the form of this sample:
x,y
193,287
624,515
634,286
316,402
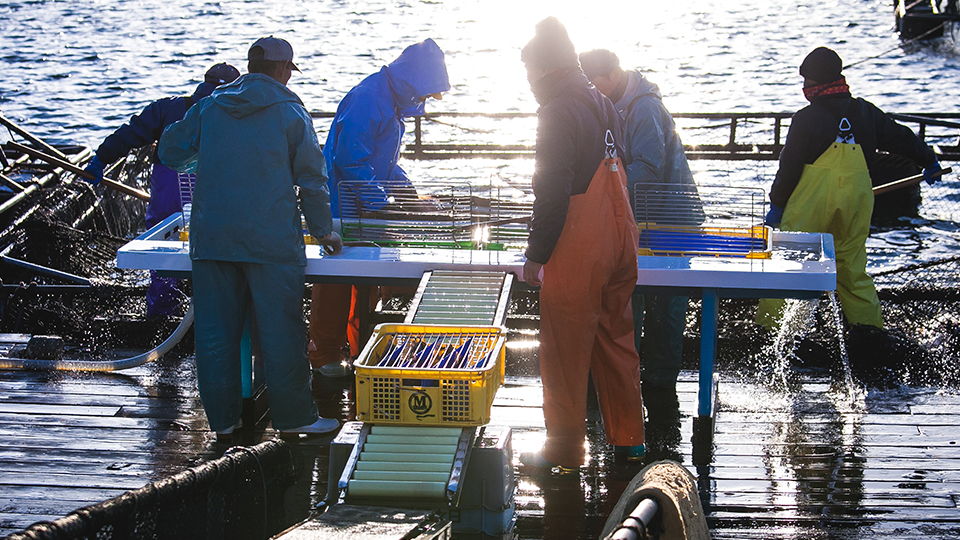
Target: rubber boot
x,y
663,416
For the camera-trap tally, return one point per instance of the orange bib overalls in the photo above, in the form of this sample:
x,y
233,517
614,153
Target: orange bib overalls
x,y
586,321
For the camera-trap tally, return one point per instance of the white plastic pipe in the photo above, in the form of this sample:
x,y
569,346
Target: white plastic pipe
x,y
109,365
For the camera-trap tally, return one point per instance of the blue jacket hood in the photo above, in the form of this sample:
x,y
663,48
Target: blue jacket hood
x,y
248,94
419,71
637,86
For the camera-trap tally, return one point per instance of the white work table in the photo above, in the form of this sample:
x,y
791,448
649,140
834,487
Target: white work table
x,y
802,265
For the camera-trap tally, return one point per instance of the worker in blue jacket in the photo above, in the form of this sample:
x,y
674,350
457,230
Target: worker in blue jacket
x,y
364,138
364,145
656,161
259,168
144,129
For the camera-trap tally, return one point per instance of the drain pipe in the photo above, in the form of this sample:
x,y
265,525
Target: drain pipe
x,y
108,365
44,271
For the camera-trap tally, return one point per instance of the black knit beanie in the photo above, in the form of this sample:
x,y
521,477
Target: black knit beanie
x,y
822,65
550,48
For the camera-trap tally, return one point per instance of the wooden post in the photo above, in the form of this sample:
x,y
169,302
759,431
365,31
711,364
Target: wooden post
x,y
32,138
70,167
418,137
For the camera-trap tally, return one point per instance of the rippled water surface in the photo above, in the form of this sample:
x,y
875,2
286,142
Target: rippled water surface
x,y
74,69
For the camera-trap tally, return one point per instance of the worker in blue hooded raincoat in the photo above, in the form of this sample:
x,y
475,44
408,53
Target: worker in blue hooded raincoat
x,y
259,166
823,183
143,129
656,161
363,145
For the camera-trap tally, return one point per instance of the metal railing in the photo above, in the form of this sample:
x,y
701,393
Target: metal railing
x,y
744,136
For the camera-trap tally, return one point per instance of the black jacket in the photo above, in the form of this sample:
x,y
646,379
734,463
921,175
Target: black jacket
x,y
814,128
573,119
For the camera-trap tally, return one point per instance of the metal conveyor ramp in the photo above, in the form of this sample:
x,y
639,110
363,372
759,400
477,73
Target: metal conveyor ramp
x,y
461,298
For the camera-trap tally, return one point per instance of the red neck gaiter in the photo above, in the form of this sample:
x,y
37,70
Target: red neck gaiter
x,y
836,88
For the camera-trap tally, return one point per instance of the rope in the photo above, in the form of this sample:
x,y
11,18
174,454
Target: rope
x,y
449,124
918,266
921,36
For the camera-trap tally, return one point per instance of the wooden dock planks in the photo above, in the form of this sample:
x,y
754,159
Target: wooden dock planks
x,y
797,463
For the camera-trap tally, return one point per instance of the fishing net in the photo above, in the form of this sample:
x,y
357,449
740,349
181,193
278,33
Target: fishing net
x,y
239,496
72,227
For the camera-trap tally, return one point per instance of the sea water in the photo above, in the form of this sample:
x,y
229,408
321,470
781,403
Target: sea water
x,y
74,70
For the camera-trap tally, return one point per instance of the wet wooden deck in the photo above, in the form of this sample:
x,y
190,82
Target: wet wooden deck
x,y
805,462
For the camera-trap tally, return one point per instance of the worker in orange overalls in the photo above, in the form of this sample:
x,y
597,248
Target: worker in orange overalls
x,y
583,238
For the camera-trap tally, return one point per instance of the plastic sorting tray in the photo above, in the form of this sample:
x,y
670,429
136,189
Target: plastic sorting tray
x,y
430,374
750,242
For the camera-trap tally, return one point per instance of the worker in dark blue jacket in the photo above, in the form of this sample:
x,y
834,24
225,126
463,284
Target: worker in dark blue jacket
x,y
363,145
144,129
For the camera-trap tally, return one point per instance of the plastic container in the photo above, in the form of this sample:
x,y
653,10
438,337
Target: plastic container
x,y
423,375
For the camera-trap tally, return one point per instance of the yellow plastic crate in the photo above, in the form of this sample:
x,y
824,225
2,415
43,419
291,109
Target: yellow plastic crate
x,y
423,375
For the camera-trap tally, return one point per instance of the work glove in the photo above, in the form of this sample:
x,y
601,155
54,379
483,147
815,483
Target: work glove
x,y
96,169
332,243
930,171
774,216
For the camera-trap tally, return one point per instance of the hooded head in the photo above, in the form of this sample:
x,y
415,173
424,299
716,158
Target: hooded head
x,y
550,47
418,72
822,65
218,74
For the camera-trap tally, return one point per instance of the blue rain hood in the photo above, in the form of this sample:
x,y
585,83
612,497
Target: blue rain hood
x,y
418,71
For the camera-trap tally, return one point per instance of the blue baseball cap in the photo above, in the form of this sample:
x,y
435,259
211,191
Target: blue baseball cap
x,y
221,73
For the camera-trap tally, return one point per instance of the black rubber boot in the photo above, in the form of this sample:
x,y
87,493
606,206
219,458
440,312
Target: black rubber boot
x,y
663,417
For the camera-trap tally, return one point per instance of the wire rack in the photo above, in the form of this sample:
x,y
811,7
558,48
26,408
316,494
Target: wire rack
x,y
706,220
449,215
186,182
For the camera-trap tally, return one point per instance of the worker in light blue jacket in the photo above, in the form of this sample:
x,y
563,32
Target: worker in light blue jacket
x,y
259,166
656,161
364,145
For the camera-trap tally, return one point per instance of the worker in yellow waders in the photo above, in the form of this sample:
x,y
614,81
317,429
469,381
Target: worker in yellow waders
x,y
823,183
584,239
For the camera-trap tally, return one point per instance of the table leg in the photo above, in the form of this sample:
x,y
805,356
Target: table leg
x,y
704,421
253,389
708,351
246,358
